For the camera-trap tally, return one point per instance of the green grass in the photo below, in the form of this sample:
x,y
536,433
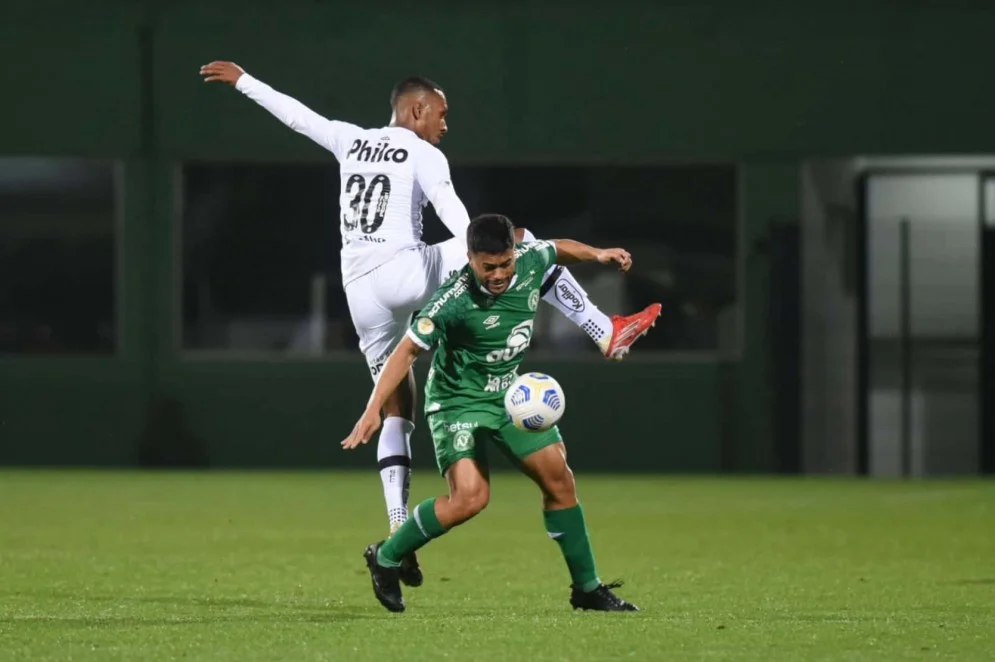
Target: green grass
x,y
259,566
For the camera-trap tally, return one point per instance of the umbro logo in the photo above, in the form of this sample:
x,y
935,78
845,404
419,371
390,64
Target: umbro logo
x,y
492,322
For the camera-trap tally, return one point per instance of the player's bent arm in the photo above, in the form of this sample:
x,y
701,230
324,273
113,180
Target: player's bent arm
x,y
395,371
450,210
569,251
293,113
434,178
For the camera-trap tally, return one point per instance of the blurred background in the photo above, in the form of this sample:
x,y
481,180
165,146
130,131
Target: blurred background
x,y
809,190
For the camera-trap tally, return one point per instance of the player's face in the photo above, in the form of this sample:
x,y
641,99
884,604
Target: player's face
x,y
430,122
494,270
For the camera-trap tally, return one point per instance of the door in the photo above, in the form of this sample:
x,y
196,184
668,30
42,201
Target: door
x,y
922,323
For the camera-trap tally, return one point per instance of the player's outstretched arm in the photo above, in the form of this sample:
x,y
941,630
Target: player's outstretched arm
x,y
288,110
395,371
569,251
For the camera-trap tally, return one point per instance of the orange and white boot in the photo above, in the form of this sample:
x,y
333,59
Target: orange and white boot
x,y
627,329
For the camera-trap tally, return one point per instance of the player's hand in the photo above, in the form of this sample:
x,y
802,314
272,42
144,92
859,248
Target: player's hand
x,y
225,72
363,430
619,256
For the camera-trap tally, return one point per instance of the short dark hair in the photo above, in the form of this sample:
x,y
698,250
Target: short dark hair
x,y
412,84
490,233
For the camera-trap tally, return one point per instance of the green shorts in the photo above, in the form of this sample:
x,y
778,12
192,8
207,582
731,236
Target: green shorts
x,y
459,434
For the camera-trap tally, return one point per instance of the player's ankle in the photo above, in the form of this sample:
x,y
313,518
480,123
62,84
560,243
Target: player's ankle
x,y
382,560
590,586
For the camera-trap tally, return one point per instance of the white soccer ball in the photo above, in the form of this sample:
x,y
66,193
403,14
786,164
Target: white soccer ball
x,y
535,402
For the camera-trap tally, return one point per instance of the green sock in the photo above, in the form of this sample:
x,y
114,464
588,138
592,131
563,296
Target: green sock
x,y
569,530
421,527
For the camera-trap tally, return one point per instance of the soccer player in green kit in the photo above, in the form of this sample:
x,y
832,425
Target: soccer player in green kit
x,y
480,322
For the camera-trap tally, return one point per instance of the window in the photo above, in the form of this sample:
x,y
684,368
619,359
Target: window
x,y
58,256
261,242
260,259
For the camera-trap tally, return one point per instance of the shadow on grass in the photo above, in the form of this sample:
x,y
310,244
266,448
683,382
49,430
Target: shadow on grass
x,y
287,611
88,622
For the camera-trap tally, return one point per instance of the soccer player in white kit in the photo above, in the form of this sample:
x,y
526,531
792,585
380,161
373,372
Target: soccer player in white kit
x,y
388,175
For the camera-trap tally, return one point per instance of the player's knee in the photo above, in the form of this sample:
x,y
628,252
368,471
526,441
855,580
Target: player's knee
x,y
401,402
469,502
394,407
476,504
559,488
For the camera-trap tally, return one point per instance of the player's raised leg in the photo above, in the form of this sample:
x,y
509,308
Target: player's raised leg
x,y
614,335
565,523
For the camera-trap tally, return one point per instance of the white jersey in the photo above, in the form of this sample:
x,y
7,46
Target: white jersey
x,y
388,175
385,173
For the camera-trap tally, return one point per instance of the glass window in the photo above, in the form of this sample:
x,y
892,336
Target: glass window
x,y
260,259
58,256
679,222
261,242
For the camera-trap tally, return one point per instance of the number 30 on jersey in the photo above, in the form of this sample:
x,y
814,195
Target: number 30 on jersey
x,y
358,213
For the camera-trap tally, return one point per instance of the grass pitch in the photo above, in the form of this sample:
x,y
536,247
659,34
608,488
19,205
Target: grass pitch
x,y
259,566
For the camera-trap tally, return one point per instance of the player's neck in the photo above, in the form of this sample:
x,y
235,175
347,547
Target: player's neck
x,y
394,123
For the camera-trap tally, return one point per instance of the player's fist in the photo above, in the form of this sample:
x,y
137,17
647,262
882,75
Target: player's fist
x,y
226,72
619,256
363,430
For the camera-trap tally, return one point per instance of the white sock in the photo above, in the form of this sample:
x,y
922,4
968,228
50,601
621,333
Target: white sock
x,y
562,291
394,459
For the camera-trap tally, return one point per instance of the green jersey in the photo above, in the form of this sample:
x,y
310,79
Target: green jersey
x,y
480,339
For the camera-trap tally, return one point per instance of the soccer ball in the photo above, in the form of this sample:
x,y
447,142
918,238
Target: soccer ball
x,y
535,402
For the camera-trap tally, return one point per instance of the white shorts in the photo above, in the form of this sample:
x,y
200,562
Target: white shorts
x,y
382,301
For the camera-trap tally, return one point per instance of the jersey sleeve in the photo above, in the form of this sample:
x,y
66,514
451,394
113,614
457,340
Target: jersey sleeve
x,y
433,176
333,135
543,251
438,316
426,332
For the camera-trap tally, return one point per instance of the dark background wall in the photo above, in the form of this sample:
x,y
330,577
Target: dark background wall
x,y
528,82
